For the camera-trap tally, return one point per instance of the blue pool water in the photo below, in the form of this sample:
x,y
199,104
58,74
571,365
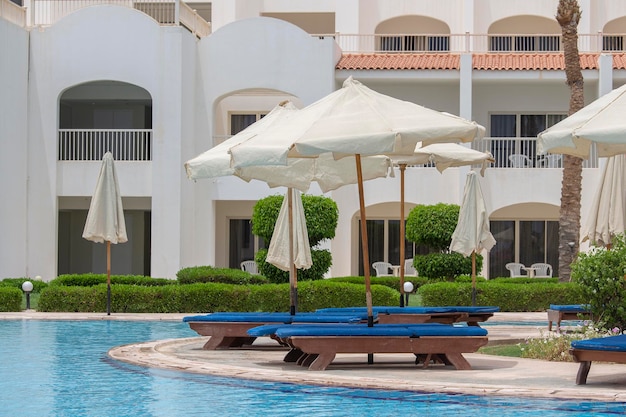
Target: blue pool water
x,y
60,368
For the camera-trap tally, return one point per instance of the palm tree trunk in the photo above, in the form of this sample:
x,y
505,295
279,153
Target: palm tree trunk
x,y
568,16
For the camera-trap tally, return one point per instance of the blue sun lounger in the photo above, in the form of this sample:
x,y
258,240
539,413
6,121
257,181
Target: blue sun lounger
x,y
316,346
445,314
604,349
558,313
229,329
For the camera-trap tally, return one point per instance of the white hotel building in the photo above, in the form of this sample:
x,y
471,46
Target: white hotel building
x,y
159,81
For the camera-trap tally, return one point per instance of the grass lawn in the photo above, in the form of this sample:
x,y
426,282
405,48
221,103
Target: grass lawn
x,y
513,350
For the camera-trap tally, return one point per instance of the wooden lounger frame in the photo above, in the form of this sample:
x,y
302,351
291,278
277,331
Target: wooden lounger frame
x,y
556,316
317,352
227,334
586,356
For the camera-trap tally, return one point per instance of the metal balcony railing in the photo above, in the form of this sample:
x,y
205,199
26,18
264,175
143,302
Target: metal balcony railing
x,y
522,153
166,12
92,144
474,43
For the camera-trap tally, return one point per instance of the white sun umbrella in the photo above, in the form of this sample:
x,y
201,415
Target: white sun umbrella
x,y
355,121
443,155
105,219
608,212
298,173
601,122
472,232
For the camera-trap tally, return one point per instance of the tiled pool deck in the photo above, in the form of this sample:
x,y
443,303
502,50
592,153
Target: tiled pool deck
x,y
490,375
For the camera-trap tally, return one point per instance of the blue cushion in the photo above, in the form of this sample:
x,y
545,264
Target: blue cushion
x,y
256,317
242,317
410,330
414,310
571,308
610,343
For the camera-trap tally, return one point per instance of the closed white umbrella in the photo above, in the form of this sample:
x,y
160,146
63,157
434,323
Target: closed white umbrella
x,y
355,121
472,232
105,220
601,122
608,211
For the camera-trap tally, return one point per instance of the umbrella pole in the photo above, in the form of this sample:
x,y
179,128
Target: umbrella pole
x,y
402,248
364,243
108,278
293,286
473,278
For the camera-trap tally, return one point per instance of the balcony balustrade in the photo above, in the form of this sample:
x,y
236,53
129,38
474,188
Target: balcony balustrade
x,y
92,144
48,12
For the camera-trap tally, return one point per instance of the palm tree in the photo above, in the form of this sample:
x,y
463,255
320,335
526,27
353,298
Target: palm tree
x,y
568,16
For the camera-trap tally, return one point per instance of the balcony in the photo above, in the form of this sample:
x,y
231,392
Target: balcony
x,y
92,144
522,153
474,43
48,12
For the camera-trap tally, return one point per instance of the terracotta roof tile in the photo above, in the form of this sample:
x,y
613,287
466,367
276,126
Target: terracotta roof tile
x,y
539,61
619,61
398,62
492,61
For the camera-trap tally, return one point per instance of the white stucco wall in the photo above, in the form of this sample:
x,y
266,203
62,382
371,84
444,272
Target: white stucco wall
x,y
110,43
13,153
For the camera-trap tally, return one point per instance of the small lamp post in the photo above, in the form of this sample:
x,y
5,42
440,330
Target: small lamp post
x,y
408,289
27,287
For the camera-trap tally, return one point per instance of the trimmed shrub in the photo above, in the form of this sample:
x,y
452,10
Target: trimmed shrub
x,y
391,282
321,214
529,297
601,275
17,283
204,274
90,280
432,226
10,298
445,265
524,280
322,260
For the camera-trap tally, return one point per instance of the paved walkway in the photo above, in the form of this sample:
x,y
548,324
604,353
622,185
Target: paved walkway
x,y
490,375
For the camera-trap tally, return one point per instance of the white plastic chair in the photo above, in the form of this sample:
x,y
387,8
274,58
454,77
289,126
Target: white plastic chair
x,y
519,160
250,266
409,270
542,270
382,269
515,269
552,161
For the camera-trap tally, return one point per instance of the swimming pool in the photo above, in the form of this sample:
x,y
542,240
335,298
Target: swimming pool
x,y
60,368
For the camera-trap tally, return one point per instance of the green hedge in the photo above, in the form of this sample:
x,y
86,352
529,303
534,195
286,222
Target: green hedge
x,y
90,280
528,297
204,274
17,283
209,297
391,282
10,298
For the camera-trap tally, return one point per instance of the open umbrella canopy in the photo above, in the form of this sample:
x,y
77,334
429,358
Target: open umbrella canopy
x,y
608,212
105,220
297,173
447,155
355,120
601,122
